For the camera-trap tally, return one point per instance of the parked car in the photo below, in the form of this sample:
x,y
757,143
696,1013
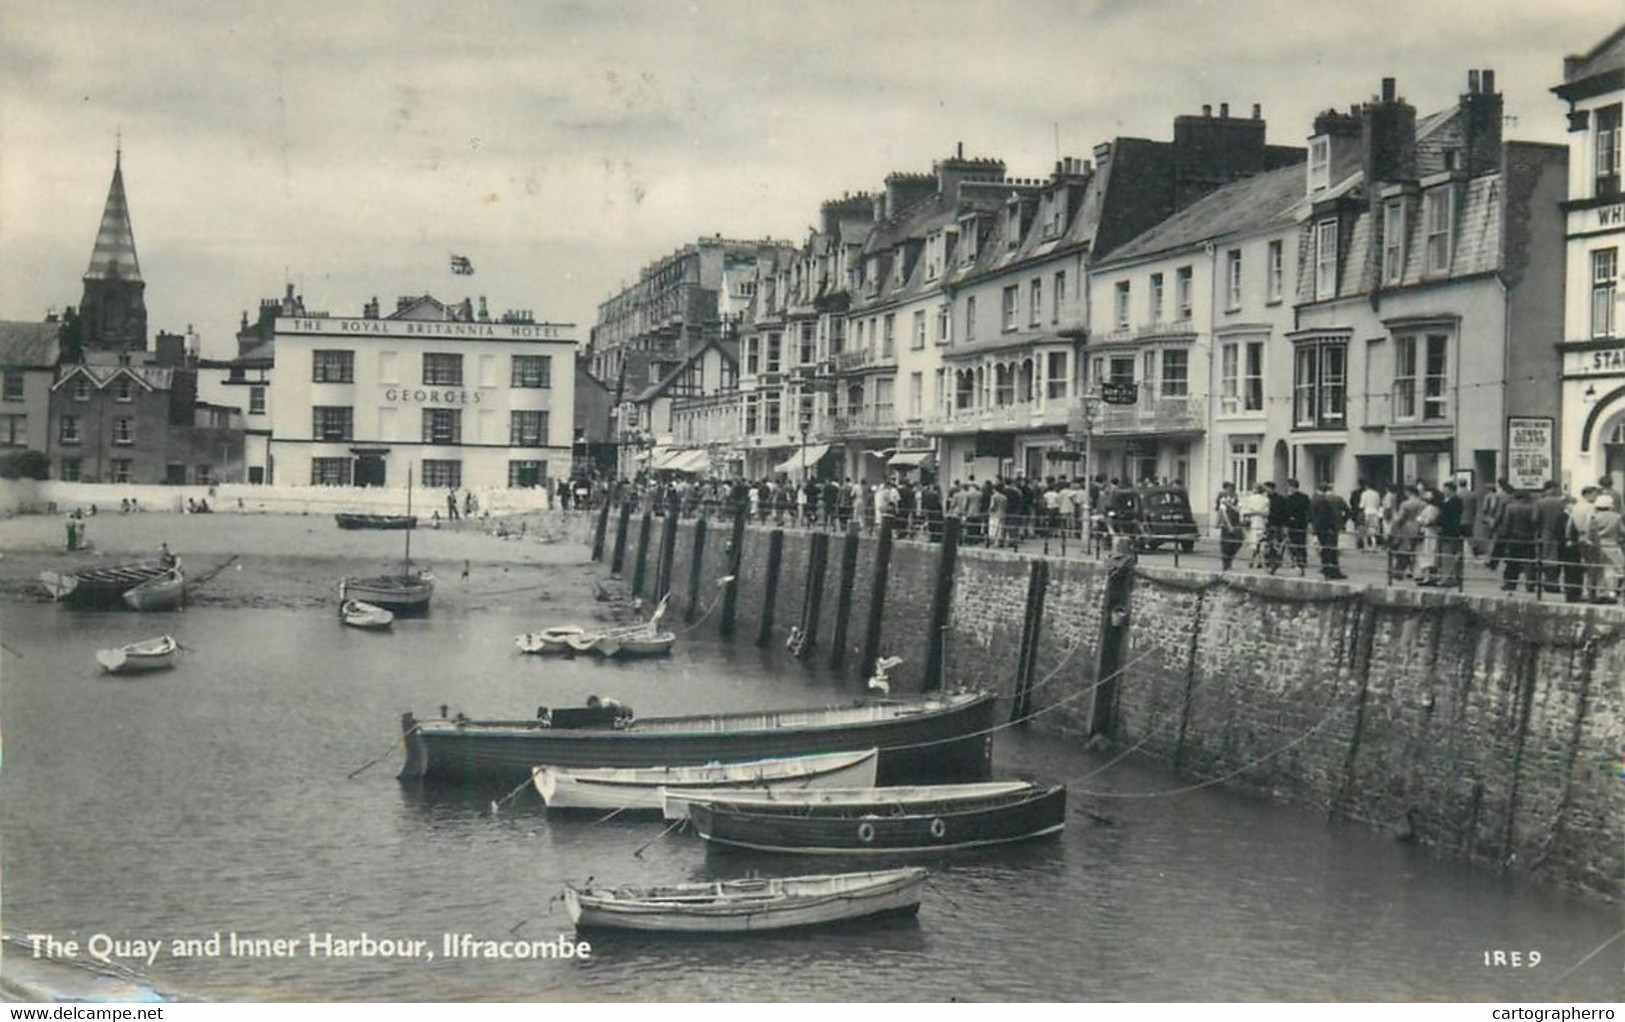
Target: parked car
x,y
1153,515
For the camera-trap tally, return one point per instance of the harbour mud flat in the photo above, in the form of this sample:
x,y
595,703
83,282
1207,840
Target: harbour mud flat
x,y
296,561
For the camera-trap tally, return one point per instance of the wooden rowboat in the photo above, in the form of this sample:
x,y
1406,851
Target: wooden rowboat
x,y
364,521
100,587
677,801
645,788
549,640
164,592
360,614
749,905
137,657
936,738
882,825
635,644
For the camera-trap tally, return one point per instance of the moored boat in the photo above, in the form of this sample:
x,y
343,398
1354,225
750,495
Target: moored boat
x,y
645,788
360,614
163,592
881,825
936,738
749,905
636,644
896,798
367,521
100,587
549,640
404,594
146,655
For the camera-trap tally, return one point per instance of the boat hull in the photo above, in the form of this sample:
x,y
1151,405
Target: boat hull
x,y
100,588
549,641
358,614
140,657
879,828
944,739
677,801
646,790
401,595
755,906
164,593
357,521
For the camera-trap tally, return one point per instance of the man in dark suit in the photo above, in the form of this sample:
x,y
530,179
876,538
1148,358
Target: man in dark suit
x,y
1295,508
1452,519
1515,536
1551,518
1327,513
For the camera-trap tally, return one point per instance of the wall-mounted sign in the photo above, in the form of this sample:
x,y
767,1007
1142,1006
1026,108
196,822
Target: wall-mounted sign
x,y
1119,393
1531,452
1602,362
1611,216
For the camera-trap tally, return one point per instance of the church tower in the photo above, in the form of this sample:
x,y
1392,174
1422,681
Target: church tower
x,y
113,308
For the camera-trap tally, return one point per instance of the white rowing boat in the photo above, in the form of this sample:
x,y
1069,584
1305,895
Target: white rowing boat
x,y
646,788
749,905
138,657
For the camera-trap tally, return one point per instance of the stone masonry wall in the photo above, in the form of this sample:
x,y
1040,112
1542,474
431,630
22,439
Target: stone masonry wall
x,y
1490,729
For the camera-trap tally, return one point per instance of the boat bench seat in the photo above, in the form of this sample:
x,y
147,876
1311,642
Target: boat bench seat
x,y
586,716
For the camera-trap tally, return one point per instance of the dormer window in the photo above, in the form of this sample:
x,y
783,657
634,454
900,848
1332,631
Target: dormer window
x,y
1012,231
1393,241
81,389
1436,217
935,249
124,390
968,236
1608,151
1320,164
1325,260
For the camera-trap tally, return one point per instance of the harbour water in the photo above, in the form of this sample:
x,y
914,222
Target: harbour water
x,y
216,799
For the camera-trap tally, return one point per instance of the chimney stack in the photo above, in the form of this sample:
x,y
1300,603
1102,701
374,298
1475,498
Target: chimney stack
x,y
1472,82
1258,111
1388,88
1481,109
1207,109
1224,109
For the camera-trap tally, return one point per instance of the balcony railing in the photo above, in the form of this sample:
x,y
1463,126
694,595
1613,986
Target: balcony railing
x,y
1154,415
863,358
867,422
1020,415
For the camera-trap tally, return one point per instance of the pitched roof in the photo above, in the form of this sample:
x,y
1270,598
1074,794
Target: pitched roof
x,y
1608,55
30,345
114,257
1251,204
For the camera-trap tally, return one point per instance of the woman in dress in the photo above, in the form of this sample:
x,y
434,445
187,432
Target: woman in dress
x,y
1605,532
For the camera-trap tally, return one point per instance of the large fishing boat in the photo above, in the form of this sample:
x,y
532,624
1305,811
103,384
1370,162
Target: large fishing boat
x,y
936,738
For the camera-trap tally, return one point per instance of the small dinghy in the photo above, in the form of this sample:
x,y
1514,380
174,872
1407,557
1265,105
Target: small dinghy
x,y
361,614
631,645
549,640
137,657
748,905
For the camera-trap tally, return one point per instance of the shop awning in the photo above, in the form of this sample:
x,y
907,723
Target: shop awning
x,y
695,462
661,457
803,459
912,459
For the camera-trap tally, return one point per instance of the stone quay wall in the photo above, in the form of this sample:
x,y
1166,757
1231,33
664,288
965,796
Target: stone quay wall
x,y
1491,729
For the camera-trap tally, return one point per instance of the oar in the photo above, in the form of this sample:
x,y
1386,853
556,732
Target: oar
x,y
674,825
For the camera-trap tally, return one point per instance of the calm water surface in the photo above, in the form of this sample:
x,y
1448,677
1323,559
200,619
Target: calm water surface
x,y
215,797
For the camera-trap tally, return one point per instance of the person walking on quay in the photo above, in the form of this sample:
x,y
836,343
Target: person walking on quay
x,y
1580,513
1297,525
1452,517
931,509
1227,520
1427,548
1469,516
1404,536
998,503
1327,513
1371,517
1606,534
451,505
1255,512
1516,537
1550,518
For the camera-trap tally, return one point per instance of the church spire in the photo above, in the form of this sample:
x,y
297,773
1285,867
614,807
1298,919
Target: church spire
x,y
114,257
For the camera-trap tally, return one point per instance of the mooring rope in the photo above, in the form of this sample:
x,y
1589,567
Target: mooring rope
x,y
403,736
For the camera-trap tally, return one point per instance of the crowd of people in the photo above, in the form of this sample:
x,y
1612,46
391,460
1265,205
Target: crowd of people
x,y
1547,541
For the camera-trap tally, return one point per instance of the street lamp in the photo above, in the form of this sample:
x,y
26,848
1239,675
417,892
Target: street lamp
x,y
806,469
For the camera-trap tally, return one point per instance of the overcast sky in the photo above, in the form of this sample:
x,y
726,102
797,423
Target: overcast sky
x,y
349,148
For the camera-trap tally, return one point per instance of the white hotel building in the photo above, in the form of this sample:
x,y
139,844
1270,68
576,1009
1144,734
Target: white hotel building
x,y
1593,343
461,402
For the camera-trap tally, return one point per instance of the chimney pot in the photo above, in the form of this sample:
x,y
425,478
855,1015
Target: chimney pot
x,y
1472,81
1224,109
1207,109
1258,111
1486,81
1388,90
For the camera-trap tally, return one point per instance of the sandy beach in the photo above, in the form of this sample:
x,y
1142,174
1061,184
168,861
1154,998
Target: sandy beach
x,y
534,560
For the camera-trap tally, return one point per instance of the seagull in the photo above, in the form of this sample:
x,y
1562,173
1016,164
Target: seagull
x,y
879,682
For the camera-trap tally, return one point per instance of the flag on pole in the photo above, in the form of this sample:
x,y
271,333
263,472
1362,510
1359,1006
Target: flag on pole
x,y
461,266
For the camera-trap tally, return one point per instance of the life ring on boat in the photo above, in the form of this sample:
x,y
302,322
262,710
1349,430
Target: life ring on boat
x,y
938,828
866,832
